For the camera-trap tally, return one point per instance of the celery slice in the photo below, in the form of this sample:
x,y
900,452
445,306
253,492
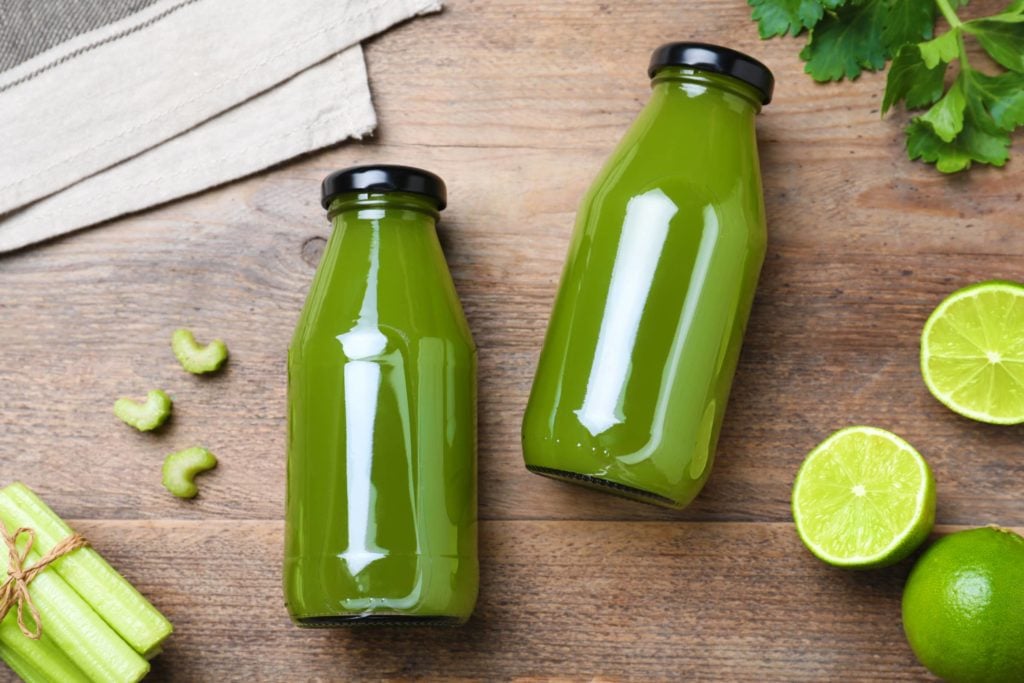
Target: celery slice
x,y
97,650
195,357
180,470
36,661
145,416
110,594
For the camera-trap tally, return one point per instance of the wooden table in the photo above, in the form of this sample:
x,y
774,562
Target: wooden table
x,y
516,103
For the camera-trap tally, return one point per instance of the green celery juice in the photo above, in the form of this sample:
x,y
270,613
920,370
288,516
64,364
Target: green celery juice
x,y
381,504
634,375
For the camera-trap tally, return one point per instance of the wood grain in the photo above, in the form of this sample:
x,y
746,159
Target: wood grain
x,y
651,601
516,103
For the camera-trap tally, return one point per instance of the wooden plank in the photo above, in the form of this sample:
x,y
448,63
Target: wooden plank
x,y
650,601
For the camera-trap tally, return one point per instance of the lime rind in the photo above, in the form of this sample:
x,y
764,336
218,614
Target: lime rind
x,y
963,606
974,363
831,516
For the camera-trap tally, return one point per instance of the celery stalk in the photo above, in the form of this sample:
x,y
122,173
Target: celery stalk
x,y
24,668
109,593
36,661
85,638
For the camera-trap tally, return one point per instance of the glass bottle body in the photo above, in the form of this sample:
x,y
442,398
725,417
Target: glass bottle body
x,y
634,376
381,505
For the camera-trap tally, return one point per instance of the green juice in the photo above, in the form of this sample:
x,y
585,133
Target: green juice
x,y
381,503
634,375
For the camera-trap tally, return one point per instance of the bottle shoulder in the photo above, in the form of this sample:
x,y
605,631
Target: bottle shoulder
x,y
709,145
363,332
372,342
397,282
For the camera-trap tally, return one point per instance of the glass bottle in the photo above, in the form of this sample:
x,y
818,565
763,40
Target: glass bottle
x,y
633,379
381,503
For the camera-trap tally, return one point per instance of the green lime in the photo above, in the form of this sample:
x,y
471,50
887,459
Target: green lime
x,y
972,352
963,607
863,498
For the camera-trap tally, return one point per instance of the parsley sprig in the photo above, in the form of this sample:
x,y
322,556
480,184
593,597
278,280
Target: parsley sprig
x,y
969,117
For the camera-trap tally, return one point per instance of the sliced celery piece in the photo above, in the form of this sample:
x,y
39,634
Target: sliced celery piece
x,y
145,416
36,661
180,470
195,357
85,638
109,593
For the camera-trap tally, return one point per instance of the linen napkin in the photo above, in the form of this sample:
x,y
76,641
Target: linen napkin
x,y
179,96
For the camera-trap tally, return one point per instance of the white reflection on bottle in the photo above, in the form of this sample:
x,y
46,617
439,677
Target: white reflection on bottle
x,y
694,289
362,387
644,232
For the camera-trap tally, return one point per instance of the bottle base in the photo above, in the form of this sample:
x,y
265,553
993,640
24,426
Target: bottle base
x,y
353,620
606,485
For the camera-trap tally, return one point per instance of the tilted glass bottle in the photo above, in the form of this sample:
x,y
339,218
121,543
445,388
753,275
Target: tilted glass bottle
x,y
633,379
381,502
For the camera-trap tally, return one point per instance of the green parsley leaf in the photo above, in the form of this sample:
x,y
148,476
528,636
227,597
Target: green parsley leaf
x,y
779,17
1002,36
846,42
1002,95
912,81
946,117
980,139
973,145
943,49
968,122
907,21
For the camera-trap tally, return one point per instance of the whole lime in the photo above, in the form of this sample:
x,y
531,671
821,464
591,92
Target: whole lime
x,y
963,607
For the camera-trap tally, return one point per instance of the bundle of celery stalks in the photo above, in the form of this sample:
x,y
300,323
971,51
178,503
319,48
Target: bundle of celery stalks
x,y
95,625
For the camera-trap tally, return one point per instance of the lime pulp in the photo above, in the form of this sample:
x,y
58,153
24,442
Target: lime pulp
x,y
863,498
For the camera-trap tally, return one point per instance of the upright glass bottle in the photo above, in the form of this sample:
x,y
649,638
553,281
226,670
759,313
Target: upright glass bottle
x,y
634,375
381,504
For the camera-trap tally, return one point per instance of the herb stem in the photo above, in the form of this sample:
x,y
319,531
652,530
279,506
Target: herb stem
x,y
955,25
948,13
964,63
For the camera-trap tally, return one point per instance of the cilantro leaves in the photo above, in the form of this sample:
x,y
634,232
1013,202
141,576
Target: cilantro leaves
x,y
846,36
970,119
1002,36
779,17
847,41
912,80
979,140
907,21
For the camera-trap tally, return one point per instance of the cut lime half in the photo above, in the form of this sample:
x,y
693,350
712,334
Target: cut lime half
x,y
972,352
863,498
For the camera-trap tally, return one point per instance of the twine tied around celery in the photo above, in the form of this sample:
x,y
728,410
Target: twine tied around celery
x,y
14,590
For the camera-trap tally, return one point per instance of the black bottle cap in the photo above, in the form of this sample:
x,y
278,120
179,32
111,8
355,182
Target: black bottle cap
x,y
384,178
717,59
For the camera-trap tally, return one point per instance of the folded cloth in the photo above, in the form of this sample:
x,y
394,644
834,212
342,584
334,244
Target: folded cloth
x,y
316,108
199,77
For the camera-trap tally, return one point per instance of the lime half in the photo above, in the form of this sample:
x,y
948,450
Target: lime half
x,y
863,498
972,352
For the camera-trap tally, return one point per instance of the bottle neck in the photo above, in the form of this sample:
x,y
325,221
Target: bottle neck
x,y
371,228
375,230
683,83
355,207
382,268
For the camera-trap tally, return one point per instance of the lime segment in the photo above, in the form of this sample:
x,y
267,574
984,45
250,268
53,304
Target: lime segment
x,y
863,498
972,352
